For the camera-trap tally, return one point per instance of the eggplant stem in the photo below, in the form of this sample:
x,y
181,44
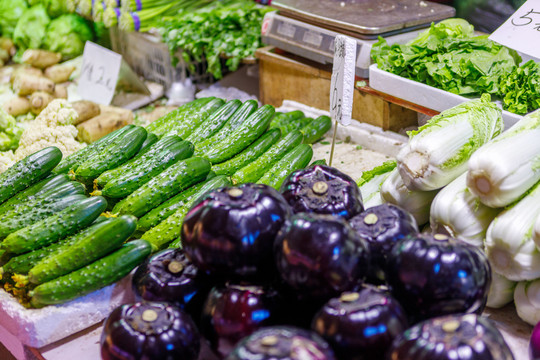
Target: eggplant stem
x,y
371,219
235,192
349,297
320,188
440,237
450,326
175,267
149,315
270,340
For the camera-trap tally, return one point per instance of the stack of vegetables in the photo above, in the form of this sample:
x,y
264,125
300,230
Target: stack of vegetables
x,y
147,174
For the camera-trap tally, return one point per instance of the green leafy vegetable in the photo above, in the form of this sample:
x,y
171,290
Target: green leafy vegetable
x,y
10,13
67,35
521,89
31,28
10,132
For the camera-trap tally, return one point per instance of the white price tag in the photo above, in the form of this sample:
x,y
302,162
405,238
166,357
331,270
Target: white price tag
x,y
99,73
342,88
521,31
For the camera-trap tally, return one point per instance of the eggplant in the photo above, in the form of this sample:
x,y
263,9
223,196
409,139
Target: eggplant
x,y
382,226
282,343
231,231
451,337
149,330
232,312
323,189
534,343
169,276
434,275
320,256
360,325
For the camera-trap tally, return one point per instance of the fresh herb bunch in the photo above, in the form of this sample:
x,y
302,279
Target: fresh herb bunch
x,y
230,29
521,89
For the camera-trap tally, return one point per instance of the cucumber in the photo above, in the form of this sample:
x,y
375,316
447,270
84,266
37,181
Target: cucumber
x,y
195,118
234,122
297,158
170,182
150,140
283,119
157,215
33,192
248,155
163,124
169,229
53,228
296,124
316,129
242,137
72,161
130,181
28,172
102,239
114,155
21,264
97,275
214,122
255,170
38,210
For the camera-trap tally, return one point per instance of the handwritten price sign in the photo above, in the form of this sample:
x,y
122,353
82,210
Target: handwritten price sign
x,y
342,86
521,31
99,73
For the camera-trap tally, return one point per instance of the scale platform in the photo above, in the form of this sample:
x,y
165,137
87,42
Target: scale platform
x,y
308,28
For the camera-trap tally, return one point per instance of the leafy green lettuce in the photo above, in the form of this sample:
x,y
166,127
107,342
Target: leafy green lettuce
x,y
10,132
31,28
67,35
10,12
521,89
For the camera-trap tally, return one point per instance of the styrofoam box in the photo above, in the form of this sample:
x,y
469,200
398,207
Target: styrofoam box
x,y
422,94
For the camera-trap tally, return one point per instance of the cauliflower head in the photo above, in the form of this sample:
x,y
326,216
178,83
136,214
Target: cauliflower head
x,y
7,159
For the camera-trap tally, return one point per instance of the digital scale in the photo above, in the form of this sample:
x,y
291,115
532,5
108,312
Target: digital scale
x,y
308,28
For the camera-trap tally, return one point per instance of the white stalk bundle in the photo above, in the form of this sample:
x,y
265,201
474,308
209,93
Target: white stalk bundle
x,y
527,301
371,181
501,291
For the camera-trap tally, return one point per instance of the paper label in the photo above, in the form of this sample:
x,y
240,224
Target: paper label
x,y
342,87
313,38
286,29
99,73
521,31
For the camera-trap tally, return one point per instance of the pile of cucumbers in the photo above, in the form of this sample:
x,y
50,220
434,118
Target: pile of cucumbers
x,y
66,223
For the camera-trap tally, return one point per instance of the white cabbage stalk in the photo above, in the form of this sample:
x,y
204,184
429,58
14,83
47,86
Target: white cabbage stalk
x,y
536,232
461,213
504,169
527,301
509,242
394,191
438,152
501,291
371,181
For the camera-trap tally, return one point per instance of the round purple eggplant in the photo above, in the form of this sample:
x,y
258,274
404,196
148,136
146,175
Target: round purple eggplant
x,y
169,276
434,275
451,337
382,226
149,330
323,190
282,343
233,312
231,232
534,343
360,325
320,256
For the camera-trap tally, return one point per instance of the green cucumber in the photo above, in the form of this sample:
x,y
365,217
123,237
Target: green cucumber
x,y
28,172
150,140
39,209
162,125
242,137
255,170
195,118
56,227
71,162
316,129
33,192
157,215
165,185
169,229
238,118
248,155
114,155
297,158
95,276
296,124
214,122
102,239
21,264
140,174
284,119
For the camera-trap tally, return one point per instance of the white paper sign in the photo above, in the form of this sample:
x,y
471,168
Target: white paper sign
x,y
521,31
99,73
342,88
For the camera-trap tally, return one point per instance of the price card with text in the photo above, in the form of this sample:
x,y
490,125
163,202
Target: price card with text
x,y
521,31
99,73
342,87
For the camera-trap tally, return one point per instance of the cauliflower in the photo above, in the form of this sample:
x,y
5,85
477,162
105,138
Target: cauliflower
x,y
6,160
52,127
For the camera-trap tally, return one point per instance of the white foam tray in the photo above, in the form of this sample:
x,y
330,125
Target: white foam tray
x,y
422,94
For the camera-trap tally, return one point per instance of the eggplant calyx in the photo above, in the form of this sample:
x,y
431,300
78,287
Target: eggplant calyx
x,y
371,219
269,340
450,326
320,188
440,237
175,267
149,315
349,297
235,193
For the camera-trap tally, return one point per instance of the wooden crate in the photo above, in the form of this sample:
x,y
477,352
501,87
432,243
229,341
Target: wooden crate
x,y
286,76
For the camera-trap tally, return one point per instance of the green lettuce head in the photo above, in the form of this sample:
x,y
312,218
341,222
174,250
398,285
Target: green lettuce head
x,y
10,12
67,35
31,28
10,132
